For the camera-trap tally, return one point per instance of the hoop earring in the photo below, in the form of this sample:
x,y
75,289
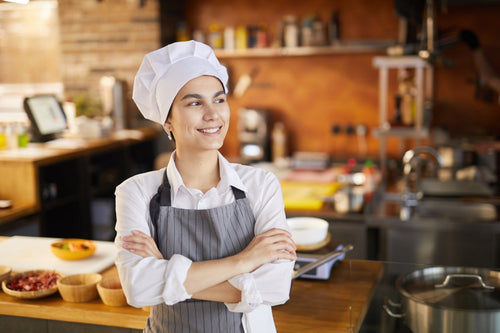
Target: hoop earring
x,y
169,136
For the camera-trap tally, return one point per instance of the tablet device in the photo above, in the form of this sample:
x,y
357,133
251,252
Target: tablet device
x,y
47,117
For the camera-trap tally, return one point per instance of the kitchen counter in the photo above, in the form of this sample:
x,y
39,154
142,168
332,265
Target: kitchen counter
x,y
336,305
20,167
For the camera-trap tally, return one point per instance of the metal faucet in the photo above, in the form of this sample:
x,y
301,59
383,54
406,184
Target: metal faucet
x,y
412,161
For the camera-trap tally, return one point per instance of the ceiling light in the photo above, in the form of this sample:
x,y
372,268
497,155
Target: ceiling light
x,y
24,2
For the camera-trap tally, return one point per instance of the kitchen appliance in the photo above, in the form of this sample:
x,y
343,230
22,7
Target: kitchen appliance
x,y
319,267
46,115
112,98
449,299
254,136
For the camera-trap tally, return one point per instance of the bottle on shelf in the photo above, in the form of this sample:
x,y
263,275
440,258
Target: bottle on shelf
x,y
279,142
306,32
371,179
22,135
334,29
318,31
397,121
215,39
290,31
229,39
3,137
241,37
11,136
407,91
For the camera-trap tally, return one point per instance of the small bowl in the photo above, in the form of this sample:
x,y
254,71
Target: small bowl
x,y
79,287
73,248
30,294
4,272
307,230
111,292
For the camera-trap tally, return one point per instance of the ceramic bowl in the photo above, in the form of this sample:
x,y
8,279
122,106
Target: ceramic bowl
x,y
308,230
79,287
73,249
111,292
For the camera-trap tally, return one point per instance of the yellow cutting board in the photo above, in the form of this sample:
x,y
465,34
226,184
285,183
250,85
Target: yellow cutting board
x,y
306,196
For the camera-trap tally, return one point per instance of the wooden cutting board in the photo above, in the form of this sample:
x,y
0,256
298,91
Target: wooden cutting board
x,y
23,253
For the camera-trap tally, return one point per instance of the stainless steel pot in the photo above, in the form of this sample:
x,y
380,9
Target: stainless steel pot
x,y
450,299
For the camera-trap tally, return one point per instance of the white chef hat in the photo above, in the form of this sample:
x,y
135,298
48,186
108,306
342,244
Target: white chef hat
x,y
165,71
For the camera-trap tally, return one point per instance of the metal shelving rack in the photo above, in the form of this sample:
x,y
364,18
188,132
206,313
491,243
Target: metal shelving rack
x,y
424,88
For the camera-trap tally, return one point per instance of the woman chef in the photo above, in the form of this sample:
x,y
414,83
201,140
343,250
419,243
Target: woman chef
x,y
204,242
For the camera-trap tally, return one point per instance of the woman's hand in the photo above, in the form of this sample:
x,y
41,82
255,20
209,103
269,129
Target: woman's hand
x,y
267,247
141,244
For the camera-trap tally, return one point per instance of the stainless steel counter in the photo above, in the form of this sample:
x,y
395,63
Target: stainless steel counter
x,y
462,231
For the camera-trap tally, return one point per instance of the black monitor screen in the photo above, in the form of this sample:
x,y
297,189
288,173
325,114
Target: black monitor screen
x,y
46,115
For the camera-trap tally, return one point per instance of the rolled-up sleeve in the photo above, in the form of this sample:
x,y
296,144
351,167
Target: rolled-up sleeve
x,y
145,281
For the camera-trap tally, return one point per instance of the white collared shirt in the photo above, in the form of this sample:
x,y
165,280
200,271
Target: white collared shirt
x,y
149,281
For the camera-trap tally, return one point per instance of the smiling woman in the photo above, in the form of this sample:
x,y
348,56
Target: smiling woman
x,y
204,242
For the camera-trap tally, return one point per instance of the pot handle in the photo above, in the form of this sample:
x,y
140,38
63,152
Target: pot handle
x,y
476,278
387,308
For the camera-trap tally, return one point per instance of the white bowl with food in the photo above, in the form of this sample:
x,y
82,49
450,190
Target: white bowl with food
x,y
308,230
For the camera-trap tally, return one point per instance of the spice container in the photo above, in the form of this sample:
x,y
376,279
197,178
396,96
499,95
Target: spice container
x,y
22,135
334,29
279,142
3,137
241,38
290,31
215,39
229,39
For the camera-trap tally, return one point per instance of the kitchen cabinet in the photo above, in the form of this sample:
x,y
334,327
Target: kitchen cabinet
x,y
73,188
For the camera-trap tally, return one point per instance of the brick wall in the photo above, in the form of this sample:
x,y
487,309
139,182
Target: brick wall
x,y
108,37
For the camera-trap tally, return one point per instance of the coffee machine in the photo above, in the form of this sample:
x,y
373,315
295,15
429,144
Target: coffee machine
x,y
253,133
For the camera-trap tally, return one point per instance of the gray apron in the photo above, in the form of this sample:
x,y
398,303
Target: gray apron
x,y
199,235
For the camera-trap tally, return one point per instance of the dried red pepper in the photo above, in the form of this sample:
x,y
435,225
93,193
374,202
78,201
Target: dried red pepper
x,y
33,281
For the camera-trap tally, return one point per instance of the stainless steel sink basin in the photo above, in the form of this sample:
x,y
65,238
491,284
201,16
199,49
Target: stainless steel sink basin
x,y
451,209
454,188
456,209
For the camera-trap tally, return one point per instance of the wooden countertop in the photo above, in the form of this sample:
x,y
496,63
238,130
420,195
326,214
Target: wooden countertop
x,y
50,152
19,167
336,305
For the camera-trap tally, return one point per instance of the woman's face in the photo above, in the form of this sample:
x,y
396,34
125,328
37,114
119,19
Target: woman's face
x,y
199,117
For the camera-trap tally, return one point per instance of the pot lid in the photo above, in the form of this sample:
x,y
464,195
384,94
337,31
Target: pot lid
x,y
459,288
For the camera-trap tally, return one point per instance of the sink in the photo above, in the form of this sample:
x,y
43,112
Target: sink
x,y
456,209
452,209
454,188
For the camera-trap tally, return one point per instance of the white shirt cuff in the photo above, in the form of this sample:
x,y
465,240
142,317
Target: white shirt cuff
x,y
250,296
176,274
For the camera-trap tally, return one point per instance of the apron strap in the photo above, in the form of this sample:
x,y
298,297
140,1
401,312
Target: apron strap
x,y
238,194
163,198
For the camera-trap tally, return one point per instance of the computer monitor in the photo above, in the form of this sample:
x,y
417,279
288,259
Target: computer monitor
x,y
46,115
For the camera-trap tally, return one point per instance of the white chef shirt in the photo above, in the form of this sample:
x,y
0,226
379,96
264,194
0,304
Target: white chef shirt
x,y
150,281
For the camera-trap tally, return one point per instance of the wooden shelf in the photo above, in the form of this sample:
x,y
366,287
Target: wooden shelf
x,y
341,48
401,132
